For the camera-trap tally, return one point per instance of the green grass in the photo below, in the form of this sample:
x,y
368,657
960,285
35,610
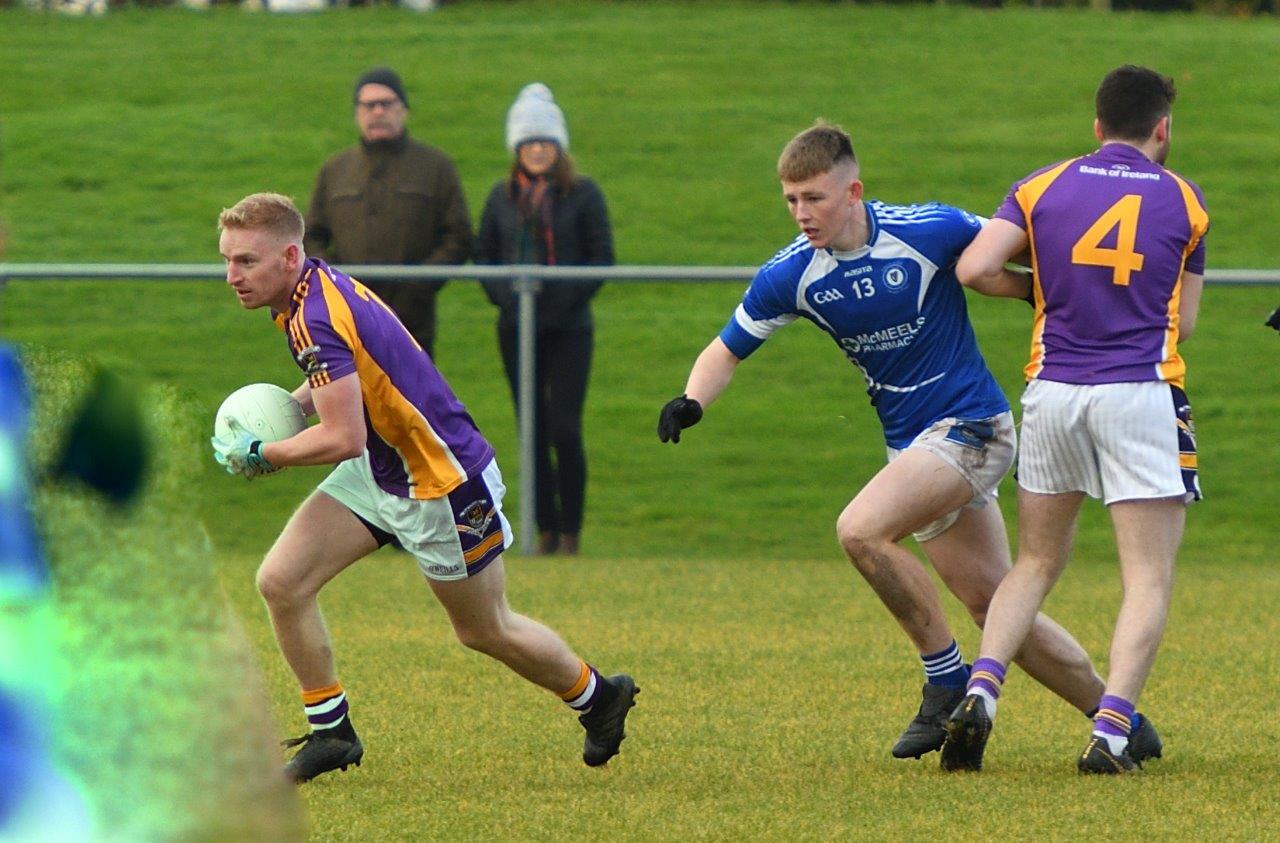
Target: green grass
x,y
773,680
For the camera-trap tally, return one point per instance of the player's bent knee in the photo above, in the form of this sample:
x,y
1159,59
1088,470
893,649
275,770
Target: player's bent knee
x,y
976,602
276,587
483,638
858,542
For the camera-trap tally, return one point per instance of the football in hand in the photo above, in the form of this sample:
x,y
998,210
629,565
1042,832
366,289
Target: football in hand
x,y
264,410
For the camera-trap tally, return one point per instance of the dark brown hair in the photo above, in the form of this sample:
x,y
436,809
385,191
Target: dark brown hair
x,y
1131,100
563,174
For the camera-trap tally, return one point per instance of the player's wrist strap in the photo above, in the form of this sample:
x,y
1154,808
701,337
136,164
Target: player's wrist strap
x,y
255,451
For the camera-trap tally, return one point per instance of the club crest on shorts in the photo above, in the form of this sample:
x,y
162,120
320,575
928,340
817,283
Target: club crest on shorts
x,y
475,519
309,360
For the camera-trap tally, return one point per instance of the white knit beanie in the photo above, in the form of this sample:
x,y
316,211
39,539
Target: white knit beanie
x,y
535,116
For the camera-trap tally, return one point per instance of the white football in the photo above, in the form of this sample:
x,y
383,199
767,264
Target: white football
x,y
264,409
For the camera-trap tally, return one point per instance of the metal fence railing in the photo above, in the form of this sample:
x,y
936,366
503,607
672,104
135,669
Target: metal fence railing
x,y
527,280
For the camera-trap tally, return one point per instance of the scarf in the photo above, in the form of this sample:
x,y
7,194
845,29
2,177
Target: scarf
x,y
533,206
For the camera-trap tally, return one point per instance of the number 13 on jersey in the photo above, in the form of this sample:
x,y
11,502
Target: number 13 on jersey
x,y
1122,260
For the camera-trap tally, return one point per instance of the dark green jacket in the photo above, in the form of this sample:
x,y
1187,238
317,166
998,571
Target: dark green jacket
x,y
400,202
395,202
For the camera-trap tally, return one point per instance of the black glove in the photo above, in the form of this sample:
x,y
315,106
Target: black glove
x,y
1274,320
678,414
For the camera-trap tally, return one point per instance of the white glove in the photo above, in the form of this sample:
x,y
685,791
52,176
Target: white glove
x,y
240,453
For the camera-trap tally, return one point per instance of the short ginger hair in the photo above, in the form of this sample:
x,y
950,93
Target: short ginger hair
x,y
270,212
816,150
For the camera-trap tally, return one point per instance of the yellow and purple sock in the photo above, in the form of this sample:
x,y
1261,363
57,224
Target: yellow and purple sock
x,y
946,667
1113,722
585,692
986,679
326,708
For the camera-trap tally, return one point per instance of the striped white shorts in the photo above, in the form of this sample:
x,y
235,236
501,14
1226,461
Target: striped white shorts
x,y
1114,441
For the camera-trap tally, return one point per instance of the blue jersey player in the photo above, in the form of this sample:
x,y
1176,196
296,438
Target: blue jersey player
x,y
879,280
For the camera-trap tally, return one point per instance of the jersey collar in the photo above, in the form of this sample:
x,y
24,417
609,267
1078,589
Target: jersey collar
x,y
1120,149
295,299
873,231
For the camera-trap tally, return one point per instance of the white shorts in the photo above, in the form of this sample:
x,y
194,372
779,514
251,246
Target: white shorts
x,y
452,537
1114,441
980,450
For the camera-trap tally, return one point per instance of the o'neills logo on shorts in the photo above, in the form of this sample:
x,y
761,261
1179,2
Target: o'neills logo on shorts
x,y
443,570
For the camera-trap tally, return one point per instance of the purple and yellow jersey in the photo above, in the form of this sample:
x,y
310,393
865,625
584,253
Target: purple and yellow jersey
x,y
1111,234
422,443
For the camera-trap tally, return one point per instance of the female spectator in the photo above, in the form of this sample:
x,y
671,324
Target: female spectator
x,y
543,212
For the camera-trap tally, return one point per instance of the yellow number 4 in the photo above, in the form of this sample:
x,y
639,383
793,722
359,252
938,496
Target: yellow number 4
x,y
1123,260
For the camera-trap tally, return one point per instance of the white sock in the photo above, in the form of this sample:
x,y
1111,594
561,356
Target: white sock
x,y
988,701
1116,743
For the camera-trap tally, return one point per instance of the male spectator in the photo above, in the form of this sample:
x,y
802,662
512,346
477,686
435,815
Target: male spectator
x,y
1117,251
391,200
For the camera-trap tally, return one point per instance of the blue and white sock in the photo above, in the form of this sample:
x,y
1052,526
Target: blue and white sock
x,y
946,667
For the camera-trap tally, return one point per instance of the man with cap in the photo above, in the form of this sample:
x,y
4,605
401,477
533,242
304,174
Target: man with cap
x,y
390,200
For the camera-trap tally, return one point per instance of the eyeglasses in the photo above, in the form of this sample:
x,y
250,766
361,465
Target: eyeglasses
x,y
372,105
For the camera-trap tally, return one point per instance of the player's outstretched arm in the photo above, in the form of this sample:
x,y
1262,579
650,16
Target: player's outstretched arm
x,y
711,373
339,436
982,264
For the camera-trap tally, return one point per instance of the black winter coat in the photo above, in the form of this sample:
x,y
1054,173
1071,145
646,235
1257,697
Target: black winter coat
x,y
580,222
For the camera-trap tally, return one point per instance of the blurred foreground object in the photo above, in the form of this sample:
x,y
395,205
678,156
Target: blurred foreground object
x,y
36,800
106,445
186,749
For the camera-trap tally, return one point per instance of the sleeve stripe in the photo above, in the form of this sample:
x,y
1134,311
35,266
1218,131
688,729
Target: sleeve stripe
x,y
760,328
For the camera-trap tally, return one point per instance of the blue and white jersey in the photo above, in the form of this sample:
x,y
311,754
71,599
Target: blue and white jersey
x,y
896,309
23,575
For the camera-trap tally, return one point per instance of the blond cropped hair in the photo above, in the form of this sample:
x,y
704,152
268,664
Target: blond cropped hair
x,y
270,212
816,150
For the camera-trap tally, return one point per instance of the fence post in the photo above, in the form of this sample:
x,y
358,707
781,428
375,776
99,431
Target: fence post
x,y
526,287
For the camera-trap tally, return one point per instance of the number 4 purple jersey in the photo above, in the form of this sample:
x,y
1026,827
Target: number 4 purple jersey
x,y
1111,234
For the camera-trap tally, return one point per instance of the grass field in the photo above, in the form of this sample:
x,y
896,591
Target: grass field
x,y
773,681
